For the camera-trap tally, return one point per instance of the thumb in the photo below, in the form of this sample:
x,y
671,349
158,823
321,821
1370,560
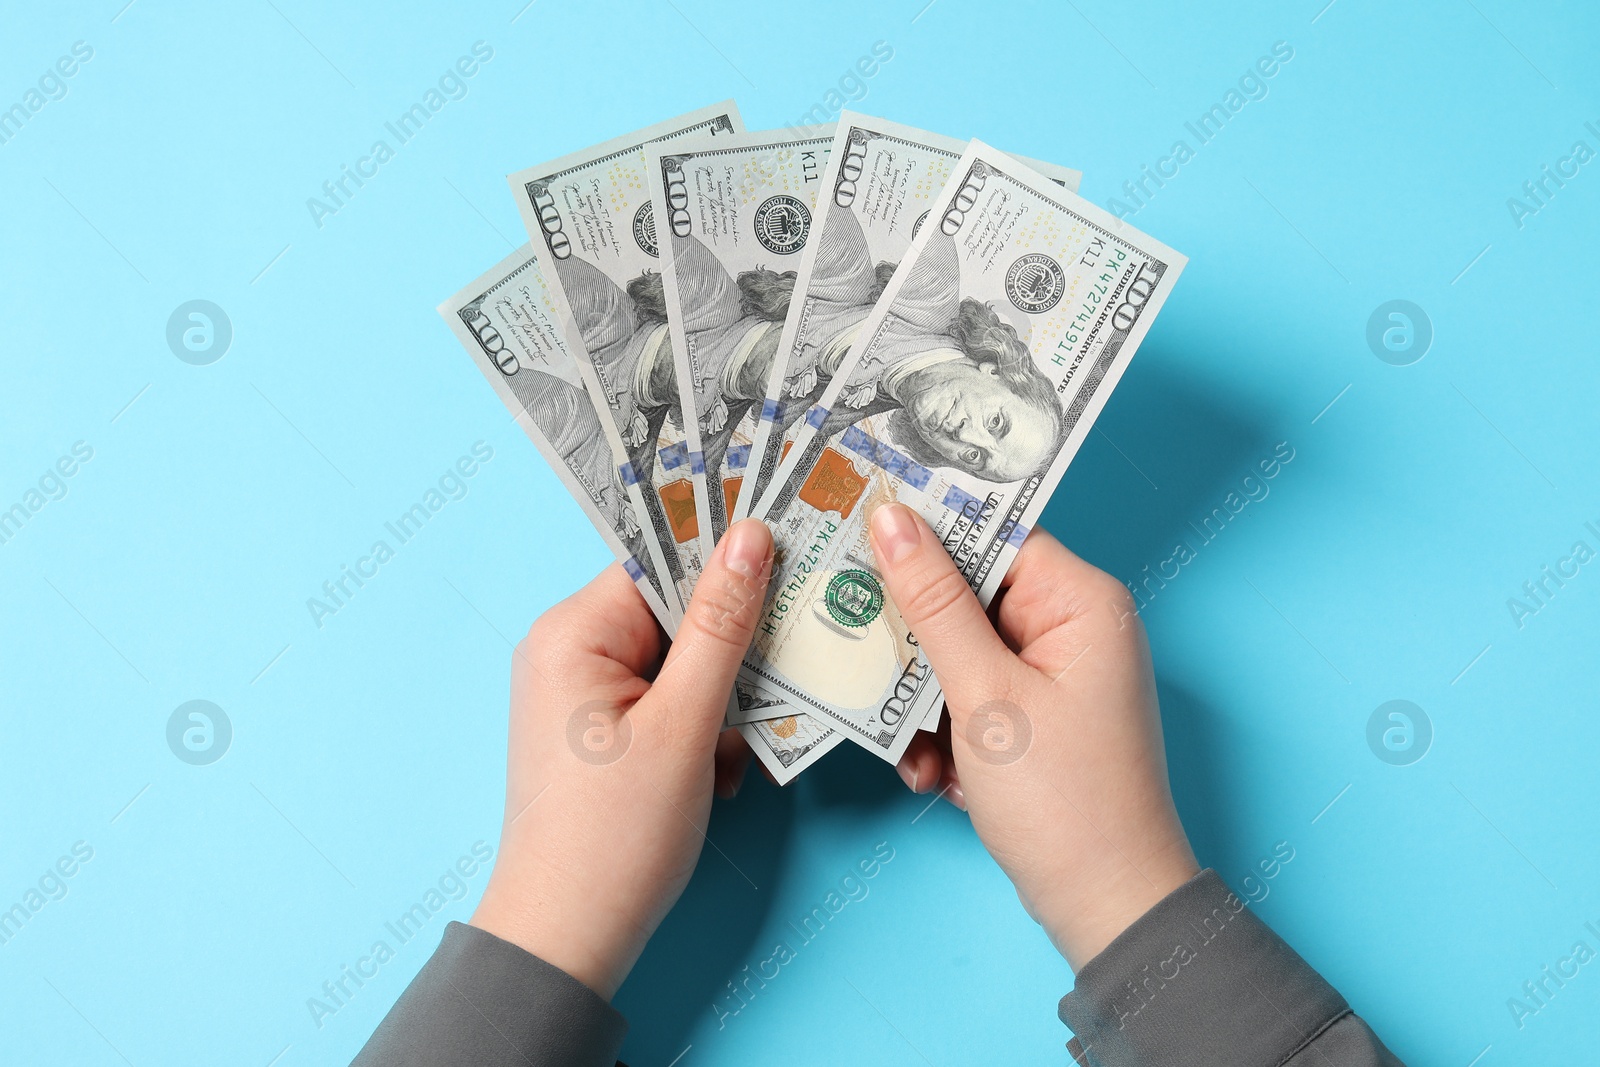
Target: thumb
x,y
717,627
939,607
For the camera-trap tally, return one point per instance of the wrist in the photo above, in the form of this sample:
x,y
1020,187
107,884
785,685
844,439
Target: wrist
x,y
1085,918
538,919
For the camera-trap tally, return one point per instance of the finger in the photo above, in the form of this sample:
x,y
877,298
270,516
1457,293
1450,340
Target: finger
x,y
922,765
595,645
950,778
1049,586
732,760
939,607
928,767
1041,552
950,787
608,617
717,627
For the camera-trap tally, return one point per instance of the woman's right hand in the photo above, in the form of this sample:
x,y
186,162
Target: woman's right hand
x,y
1054,737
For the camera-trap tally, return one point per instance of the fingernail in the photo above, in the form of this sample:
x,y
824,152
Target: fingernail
x,y
748,541
894,532
955,796
908,774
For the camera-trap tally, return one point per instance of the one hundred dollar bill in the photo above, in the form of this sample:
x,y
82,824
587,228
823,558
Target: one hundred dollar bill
x,y
590,219
729,210
790,744
734,215
885,176
594,235
506,322
968,389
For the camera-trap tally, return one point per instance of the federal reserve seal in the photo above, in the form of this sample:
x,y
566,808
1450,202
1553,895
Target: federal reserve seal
x,y
782,223
853,598
644,230
1035,283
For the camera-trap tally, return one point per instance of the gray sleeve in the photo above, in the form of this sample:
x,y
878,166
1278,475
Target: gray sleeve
x,y
1200,981
483,1001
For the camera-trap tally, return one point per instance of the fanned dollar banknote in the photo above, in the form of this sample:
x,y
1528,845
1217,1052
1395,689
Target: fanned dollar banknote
x,y
886,175
595,236
506,322
731,209
967,390
804,326
736,214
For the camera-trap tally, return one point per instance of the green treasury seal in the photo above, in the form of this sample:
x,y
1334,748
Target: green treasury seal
x,y
853,598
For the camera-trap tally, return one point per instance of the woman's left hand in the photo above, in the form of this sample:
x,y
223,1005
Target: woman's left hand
x,y
612,762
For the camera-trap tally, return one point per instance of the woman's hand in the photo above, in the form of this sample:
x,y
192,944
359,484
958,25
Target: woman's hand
x,y
1054,737
612,763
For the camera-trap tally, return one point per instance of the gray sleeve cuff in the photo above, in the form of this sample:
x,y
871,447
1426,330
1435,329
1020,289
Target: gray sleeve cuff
x,y
1199,980
484,1001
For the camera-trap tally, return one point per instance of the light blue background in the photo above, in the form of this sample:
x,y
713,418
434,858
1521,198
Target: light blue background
x,y
368,754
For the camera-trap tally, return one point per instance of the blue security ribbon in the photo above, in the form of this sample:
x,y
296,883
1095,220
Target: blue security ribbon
x,y
881,455
958,499
675,456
